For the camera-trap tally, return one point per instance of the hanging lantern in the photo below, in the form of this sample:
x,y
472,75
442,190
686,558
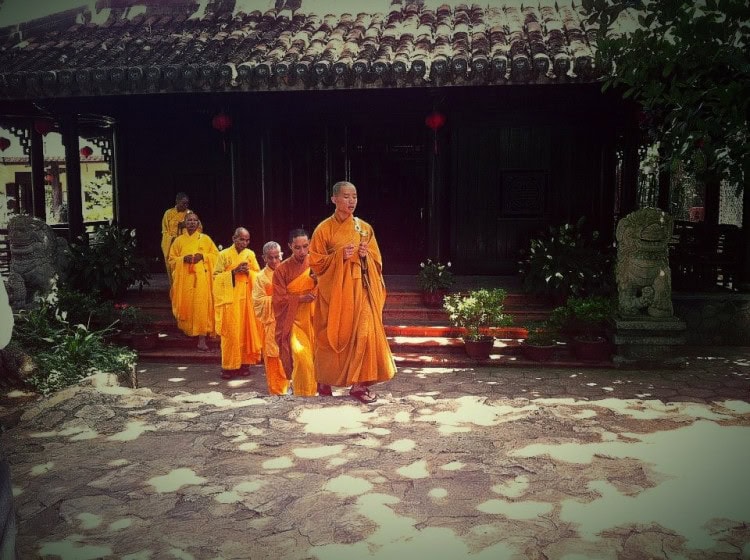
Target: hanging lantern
x,y
86,151
221,122
435,122
43,126
4,144
49,177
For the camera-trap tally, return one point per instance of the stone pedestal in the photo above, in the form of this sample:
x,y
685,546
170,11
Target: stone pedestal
x,y
649,342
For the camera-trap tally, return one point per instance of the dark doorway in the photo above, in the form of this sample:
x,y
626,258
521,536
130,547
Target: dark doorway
x,y
388,165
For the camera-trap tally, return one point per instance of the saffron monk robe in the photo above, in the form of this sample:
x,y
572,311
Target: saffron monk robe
x,y
192,259
172,224
276,379
351,348
294,294
236,324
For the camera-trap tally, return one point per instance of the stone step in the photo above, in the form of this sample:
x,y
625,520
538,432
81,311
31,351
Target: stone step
x,y
419,336
430,350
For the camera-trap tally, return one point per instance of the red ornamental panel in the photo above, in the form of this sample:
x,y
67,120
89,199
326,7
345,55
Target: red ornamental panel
x,y
4,144
43,126
86,151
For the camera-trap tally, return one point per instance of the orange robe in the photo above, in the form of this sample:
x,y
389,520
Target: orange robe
x,y
351,345
294,324
191,290
233,305
276,379
169,231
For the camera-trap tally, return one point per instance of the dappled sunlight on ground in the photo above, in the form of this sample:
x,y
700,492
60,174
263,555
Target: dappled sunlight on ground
x,y
174,480
445,466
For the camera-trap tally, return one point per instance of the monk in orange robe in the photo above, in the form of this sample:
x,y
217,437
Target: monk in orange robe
x,y
294,296
276,379
351,348
192,259
172,224
240,331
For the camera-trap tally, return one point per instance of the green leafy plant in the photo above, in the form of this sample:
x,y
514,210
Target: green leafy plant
x,y
686,64
585,317
567,260
86,308
434,276
477,310
63,353
109,263
133,319
542,334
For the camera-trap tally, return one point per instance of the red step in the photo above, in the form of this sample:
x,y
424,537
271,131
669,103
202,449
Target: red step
x,y
419,336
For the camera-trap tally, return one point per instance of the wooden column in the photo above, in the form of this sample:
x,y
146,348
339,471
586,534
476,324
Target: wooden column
x,y
36,156
69,129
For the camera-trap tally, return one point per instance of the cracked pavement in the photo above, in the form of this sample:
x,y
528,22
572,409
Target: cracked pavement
x,y
449,464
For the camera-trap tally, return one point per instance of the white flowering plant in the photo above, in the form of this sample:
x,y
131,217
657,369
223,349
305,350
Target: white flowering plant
x,y
477,310
434,276
568,260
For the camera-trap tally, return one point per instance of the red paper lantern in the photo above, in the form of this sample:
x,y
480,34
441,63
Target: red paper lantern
x,y
221,122
49,177
435,121
43,126
4,144
86,151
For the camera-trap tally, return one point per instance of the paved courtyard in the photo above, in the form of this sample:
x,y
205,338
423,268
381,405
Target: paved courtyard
x,y
448,464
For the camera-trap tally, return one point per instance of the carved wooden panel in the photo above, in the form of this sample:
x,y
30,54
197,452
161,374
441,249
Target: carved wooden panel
x,y
523,193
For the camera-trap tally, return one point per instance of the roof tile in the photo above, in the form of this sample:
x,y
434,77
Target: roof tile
x,y
411,45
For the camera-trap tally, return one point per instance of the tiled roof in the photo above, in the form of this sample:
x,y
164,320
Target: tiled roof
x,y
183,48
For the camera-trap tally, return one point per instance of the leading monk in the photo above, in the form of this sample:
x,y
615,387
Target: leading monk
x,y
234,275
351,349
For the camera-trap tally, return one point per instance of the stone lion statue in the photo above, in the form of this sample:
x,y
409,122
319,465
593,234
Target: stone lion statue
x,y
37,256
644,281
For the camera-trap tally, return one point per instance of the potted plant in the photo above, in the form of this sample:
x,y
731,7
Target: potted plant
x,y
567,260
137,325
585,321
541,342
434,279
477,312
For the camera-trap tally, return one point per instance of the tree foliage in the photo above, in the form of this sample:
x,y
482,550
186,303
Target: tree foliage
x,y
687,63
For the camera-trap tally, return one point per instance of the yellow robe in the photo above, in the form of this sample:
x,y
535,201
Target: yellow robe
x,y
233,305
350,342
191,290
276,379
294,329
169,232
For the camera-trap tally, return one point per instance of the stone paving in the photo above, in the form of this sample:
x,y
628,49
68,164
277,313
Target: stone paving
x,y
448,464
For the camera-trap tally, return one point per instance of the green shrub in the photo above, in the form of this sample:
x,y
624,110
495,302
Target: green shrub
x,y
63,353
477,310
567,261
109,263
586,316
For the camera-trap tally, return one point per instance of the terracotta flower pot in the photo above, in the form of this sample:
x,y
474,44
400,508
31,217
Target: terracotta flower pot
x,y
479,349
433,299
592,349
538,353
